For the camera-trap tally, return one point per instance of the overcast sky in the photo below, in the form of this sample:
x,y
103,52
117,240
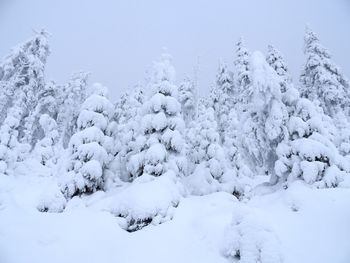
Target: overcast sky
x,y
117,41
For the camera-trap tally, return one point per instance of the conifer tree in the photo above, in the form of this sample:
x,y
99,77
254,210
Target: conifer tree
x,y
188,100
277,62
309,152
161,126
204,142
263,124
242,77
71,97
23,78
89,146
224,98
128,116
321,79
46,149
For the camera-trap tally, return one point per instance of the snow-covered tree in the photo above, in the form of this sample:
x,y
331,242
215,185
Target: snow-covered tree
x,y
204,142
128,118
232,146
46,149
263,124
10,148
277,62
22,77
242,77
309,153
89,147
47,104
321,79
208,169
188,100
161,126
70,99
223,98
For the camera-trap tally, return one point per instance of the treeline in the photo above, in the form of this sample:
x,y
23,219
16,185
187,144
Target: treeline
x,y
254,122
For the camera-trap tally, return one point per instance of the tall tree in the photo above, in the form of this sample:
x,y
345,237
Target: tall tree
x,y
23,78
242,77
263,124
321,79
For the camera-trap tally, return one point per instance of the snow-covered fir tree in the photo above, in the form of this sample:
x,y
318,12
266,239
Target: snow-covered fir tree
x,y
277,62
309,153
23,79
204,142
223,98
188,99
161,126
46,149
321,79
263,124
10,149
242,77
89,147
71,97
128,118
47,104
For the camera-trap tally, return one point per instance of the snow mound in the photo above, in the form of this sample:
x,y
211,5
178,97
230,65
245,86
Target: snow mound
x,y
52,200
148,200
251,240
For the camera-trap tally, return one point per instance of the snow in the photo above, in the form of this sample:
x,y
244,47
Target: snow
x,y
299,224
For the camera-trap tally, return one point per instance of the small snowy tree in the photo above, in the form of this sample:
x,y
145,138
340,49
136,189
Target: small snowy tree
x,y
188,100
46,150
232,146
10,148
204,141
70,99
242,77
128,118
161,126
47,104
89,147
208,168
277,62
321,79
223,98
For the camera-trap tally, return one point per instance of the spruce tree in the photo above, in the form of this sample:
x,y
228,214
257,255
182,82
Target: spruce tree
x,y
309,152
277,62
321,79
23,78
89,146
188,100
224,98
46,149
70,98
161,126
242,77
263,124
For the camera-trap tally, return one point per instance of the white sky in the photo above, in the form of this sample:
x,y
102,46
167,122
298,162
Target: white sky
x,y
118,40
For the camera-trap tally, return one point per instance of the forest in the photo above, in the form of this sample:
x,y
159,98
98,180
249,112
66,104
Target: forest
x,y
258,144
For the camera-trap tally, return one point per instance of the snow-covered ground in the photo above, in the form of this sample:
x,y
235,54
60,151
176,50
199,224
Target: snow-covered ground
x,y
299,224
